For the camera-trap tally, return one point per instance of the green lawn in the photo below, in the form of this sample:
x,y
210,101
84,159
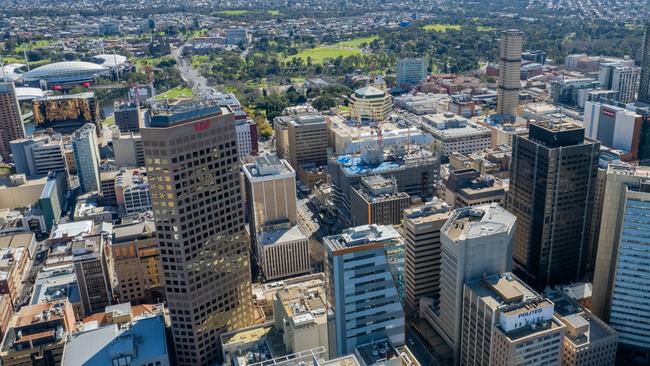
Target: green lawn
x,y
275,13
32,45
445,27
441,27
233,12
176,93
319,54
357,42
109,120
198,61
140,61
482,28
20,60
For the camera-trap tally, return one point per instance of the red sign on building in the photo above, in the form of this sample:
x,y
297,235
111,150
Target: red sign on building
x,y
202,125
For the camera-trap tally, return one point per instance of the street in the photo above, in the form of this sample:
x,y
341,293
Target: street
x,y
419,347
190,75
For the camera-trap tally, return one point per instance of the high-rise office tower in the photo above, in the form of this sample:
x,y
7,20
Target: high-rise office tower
x,y
270,185
552,180
505,322
512,41
621,286
644,84
422,258
193,168
363,287
86,156
475,240
411,71
11,125
270,192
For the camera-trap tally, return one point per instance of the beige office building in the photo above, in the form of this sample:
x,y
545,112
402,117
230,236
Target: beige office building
x,y
505,322
134,263
283,251
421,231
192,164
270,192
588,341
307,140
370,104
509,72
621,180
301,312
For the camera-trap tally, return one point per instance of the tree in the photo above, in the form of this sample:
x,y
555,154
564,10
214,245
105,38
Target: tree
x,y
324,103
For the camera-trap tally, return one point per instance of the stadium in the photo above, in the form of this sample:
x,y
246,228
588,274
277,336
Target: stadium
x,y
65,73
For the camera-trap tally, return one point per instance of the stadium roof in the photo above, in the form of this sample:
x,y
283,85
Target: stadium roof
x,y
67,71
110,60
12,72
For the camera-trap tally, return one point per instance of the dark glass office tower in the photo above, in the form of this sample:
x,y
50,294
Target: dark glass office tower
x,y
552,184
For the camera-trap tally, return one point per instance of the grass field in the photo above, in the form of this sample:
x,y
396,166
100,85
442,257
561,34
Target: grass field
x,y
20,60
275,13
357,42
140,61
319,54
175,93
109,120
198,61
233,12
445,27
32,45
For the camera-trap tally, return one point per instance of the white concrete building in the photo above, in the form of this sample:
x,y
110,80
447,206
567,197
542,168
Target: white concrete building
x,y
453,133
283,251
475,240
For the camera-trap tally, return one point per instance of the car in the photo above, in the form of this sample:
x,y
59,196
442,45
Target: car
x,y
411,341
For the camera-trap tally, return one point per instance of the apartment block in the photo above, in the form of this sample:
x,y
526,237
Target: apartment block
x,y
510,49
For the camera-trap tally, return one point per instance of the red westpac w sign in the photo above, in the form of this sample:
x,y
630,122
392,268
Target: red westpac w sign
x,y
201,125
